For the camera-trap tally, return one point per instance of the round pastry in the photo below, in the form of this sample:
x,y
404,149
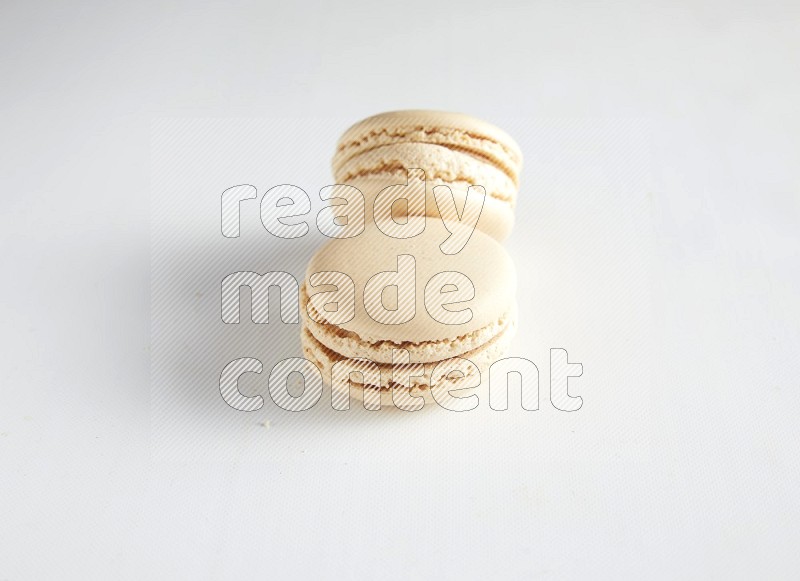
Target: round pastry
x,y
453,149
406,306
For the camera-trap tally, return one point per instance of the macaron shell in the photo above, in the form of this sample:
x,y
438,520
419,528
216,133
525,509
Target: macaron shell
x,y
453,130
483,260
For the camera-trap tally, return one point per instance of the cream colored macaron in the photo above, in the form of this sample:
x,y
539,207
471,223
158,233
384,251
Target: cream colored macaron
x,y
453,149
444,308
452,130
374,170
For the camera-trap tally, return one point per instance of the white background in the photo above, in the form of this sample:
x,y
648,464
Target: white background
x,y
657,240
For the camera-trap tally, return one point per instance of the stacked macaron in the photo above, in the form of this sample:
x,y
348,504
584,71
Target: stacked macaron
x,y
452,149
423,322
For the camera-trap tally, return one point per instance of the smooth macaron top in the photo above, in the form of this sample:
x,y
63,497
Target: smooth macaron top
x,y
482,260
452,130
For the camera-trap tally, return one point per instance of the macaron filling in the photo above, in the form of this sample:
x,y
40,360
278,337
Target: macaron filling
x,y
442,166
349,344
482,356
475,145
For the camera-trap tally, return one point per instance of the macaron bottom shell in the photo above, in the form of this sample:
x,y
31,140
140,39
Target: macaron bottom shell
x,y
482,357
496,218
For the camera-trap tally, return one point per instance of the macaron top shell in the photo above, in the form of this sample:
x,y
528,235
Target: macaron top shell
x,y
454,130
483,261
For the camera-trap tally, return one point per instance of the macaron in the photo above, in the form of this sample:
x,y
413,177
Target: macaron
x,y
476,325
453,149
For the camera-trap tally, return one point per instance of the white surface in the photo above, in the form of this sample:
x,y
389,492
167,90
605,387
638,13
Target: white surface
x,y
679,465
